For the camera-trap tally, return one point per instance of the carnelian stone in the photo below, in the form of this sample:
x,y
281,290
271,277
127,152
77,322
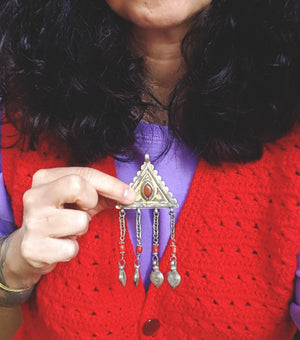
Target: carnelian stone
x,y
122,247
139,249
173,249
155,249
148,190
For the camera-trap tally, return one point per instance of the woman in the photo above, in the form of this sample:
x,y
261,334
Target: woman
x,y
210,91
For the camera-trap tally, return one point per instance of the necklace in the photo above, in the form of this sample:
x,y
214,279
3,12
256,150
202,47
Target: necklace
x,y
151,193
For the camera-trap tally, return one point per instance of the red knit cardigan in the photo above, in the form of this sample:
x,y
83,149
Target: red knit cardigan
x,y
238,234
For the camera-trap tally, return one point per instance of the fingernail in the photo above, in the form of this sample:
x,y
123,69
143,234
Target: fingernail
x,y
129,194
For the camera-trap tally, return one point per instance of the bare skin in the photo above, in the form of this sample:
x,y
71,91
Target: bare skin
x,y
49,230
158,27
161,52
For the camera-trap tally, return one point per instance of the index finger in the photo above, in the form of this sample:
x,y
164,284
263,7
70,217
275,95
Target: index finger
x,y
106,185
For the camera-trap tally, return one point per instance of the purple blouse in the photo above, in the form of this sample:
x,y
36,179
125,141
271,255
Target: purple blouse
x,y
176,169
6,217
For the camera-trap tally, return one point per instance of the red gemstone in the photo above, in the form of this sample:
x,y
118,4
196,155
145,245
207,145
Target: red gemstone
x,y
122,247
173,249
148,190
139,249
155,249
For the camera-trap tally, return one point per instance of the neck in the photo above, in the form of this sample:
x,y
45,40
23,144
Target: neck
x,y
161,50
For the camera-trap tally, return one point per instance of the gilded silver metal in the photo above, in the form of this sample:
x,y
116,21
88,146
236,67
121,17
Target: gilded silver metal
x,y
122,274
161,197
151,193
122,262
138,225
173,276
136,275
156,276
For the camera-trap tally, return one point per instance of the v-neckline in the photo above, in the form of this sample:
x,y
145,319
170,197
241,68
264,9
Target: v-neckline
x,y
182,235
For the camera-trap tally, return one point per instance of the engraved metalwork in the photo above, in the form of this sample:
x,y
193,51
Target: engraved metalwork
x,y
122,274
138,226
156,276
173,276
122,262
161,197
136,275
151,193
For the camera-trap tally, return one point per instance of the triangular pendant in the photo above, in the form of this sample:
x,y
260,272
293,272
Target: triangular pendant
x,y
151,191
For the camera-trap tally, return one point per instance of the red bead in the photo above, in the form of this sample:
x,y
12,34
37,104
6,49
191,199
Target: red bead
x,y
122,262
155,249
139,249
173,249
147,190
122,247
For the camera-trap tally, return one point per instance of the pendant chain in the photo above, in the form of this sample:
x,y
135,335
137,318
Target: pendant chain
x,y
151,193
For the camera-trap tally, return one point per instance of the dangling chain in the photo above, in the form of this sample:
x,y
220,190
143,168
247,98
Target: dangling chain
x,y
172,227
139,248
156,276
122,274
151,193
173,276
155,237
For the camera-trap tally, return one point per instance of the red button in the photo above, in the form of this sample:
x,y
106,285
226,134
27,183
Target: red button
x,y
151,326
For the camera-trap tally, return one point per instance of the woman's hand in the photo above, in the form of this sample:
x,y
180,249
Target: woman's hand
x,y
58,209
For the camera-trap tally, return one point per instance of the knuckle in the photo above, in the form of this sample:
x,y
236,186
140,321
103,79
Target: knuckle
x,y
28,198
39,176
29,223
32,222
83,222
86,173
70,249
75,184
25,250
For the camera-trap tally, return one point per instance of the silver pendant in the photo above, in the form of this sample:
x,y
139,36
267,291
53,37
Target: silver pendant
x,y
136,276
122,275
151,193
156,276
173,276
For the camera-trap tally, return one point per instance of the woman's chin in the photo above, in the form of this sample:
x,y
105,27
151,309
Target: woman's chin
x,y
157,14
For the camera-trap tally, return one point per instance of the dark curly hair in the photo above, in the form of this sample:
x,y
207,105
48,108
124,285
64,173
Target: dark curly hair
x,y
66,68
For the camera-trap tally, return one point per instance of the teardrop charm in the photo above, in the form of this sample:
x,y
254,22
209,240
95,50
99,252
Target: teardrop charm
x,y
173,276
156,276
136,276
122,275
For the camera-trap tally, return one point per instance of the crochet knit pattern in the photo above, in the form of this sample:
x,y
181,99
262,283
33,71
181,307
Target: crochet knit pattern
x,y
238,235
